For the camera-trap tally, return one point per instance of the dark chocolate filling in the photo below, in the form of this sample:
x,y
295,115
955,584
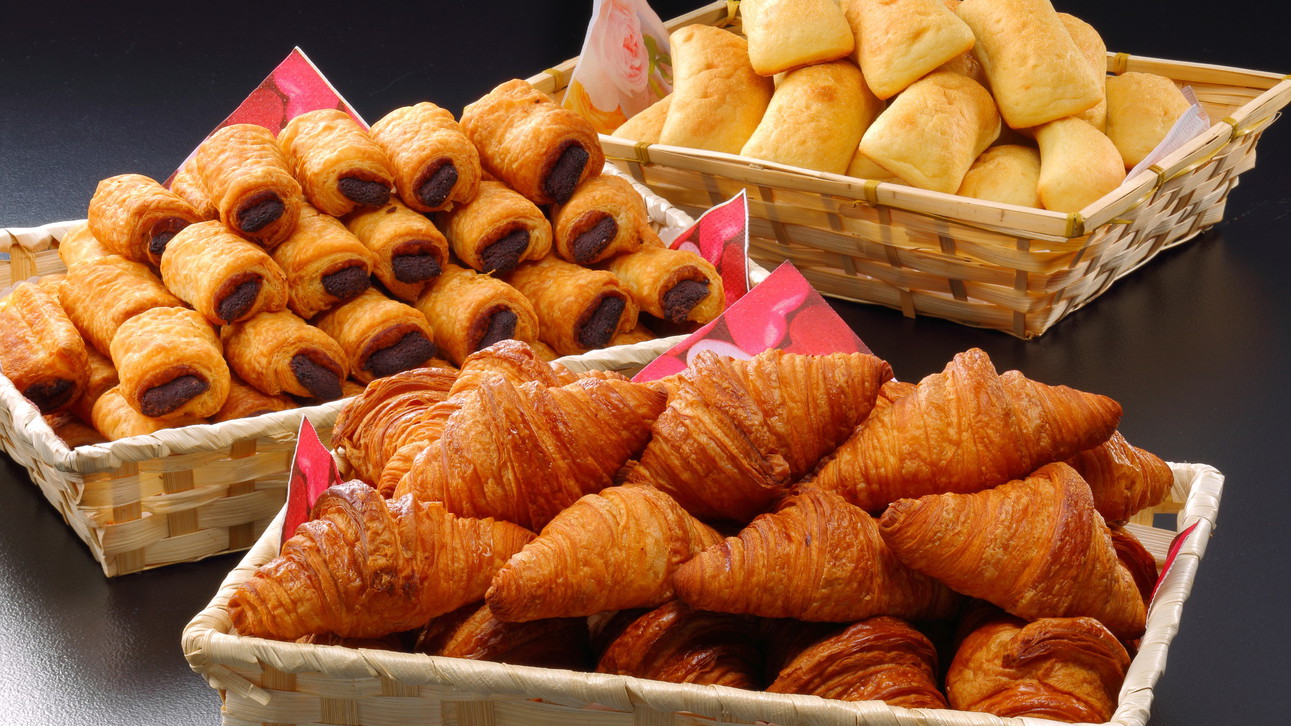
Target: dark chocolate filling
x,y
346,283
591,243
163,232
564,174
504,254
237,303
682,298
168,397
259,212
435,188
50,395
362,191
319,380
502,325
411,351
415,268
601,324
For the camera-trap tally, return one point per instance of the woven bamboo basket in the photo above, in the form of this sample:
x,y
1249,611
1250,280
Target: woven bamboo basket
x,y
269,682
181,494
978,263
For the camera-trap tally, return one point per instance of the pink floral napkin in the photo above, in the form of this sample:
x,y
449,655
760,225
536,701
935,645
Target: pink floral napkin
x,y
625,65
312,472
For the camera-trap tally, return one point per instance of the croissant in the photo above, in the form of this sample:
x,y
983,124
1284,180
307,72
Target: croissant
x,y
524,453
472,632
676,644
40,349
1064,669
816,558
737,433
963,430
1136,558
135,217
372,425
609,551
1123,477
878,659
362,568
1035,547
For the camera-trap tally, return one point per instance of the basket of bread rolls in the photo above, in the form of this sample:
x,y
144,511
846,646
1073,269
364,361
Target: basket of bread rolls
x,y
961,159
785,539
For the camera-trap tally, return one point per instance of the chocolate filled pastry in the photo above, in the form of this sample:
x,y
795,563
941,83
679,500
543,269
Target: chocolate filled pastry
x,y
409,250
135,217
223,276
435,164
171,364
79,245
280,353
187,184
101,375
337,163
248,179
244,400
469,311
40,350
675,285
536,146
579,309
324,263
101,294
497,230
380,336
116,419
604,218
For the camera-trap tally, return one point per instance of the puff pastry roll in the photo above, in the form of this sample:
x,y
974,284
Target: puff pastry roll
x,y
40,350
135,217
188,184
220,274
469,311
249,181
675,644
171,364
604,218
675,285
324,263
101,376
380,336
337,163
639,334
435,164
101,294
73,431
280,353
579,309
116,419
244,400
472,632
497,230
532,143
79,245
409,251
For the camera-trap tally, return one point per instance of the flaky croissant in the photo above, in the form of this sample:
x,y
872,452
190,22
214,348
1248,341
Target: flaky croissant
x,y
1065,669
878,659
1035,547
963,430
372,425
472,632
737,433
362,568
676,644
1123,477
816,558
609,551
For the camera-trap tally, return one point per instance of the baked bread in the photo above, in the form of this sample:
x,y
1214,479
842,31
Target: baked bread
x,y
900,41
1078,165
408,250
171,364
604,218
1008,173
324,263
101,294
497,230
79,245
717,97
674,285
222,275
135,217
40,350
470,311
1141,110
646,126
579,309
435,164
380,336
788,34
279,352
1094,50
247,178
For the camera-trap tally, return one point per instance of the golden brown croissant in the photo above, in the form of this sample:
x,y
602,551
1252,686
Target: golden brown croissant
x,y
362,568
40,350
135,217
524,453
408,249
676,644
472,632
171,364
1064,669
1123,477
337,163
372,425
101,294
1035,547
815,558
435,164
737,433
380,336
1136,558
223,276
963,430
602,219
248,179
878,659
609,551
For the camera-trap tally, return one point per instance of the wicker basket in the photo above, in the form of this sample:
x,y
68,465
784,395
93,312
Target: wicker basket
x,y
263,681
181,494
979,263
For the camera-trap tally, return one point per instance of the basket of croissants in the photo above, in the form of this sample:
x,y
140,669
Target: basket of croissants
x,y
785,539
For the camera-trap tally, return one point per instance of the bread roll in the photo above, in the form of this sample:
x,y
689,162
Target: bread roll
x,y
788,34
717,97
862,168
1141,109
646,126
900,41
1008,174
1091,46
1078,165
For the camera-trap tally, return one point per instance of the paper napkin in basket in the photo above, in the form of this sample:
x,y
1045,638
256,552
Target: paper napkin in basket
x,y
625,65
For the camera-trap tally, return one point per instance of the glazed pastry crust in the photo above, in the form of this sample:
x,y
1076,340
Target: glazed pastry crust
x,y
472,632
132,216
242,165
521,135
676,644
566,298
160,345
80,245
386,415
116,419
244,400
651,272
326,146
99,295
371,323
206,263
188,185
394,233
496,211
420,140
102,375
40,350
1122,477
460,305
319,246
600,198
261,348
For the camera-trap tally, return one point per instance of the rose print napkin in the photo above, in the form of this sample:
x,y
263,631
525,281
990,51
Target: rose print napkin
x,y
625,65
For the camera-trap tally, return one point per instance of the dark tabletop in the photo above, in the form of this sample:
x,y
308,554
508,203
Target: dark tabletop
x,y
1194,345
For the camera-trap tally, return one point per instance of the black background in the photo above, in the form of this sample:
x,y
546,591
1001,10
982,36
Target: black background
x,y
1194,345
